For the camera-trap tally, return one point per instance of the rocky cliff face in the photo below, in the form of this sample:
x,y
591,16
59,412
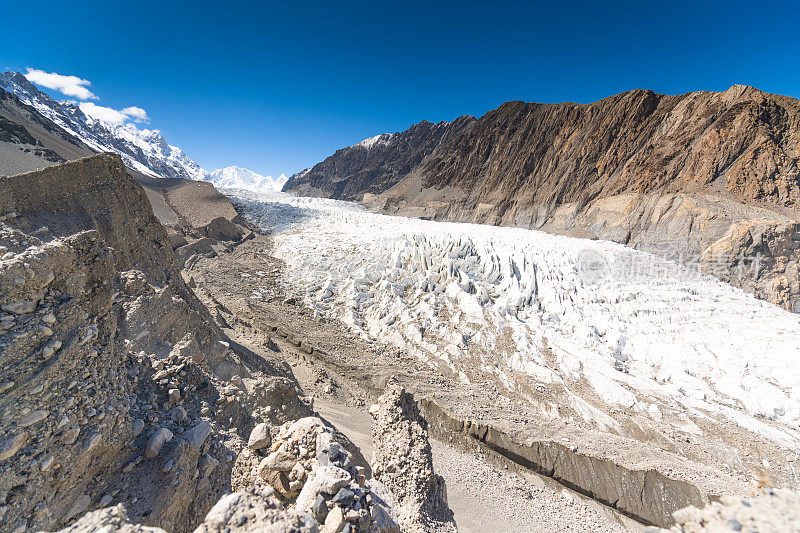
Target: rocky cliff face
x,y
525,155
117,387
375,164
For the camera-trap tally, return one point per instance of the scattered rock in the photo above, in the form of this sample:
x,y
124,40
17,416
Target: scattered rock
x,y
278,460
80,505
93,442
33,418
11,445
259,437
344,497
177,414
198,434
160,437
137,425
334,522
319,509
174,395
19,308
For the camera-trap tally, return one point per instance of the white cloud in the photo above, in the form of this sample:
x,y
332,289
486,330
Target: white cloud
x,y
136,113
113,116
68,85
77,87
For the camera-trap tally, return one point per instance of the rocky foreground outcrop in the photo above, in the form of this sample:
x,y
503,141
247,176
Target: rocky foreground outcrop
x,y
124,407
403,462
704,178
301,478
117,386
309,469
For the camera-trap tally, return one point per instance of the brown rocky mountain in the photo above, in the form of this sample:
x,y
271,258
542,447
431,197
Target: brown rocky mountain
x,y
375,164
708,174
525,155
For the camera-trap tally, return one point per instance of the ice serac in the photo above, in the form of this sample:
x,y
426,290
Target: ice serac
x,y
142,150
375,164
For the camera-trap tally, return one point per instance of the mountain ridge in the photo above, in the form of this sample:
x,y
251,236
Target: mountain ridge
x,y
374,164
144,150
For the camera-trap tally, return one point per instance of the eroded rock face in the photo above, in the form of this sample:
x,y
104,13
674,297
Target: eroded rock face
x,y
402,461
117,387
527,154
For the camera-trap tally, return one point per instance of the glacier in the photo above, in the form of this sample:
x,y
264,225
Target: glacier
x,y
512,304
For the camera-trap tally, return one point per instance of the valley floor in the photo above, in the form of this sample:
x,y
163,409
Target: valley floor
x,y
485,491
646,391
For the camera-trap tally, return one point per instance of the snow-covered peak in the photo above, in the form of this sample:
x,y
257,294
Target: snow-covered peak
x,y
372,141
143,150
17,84
240,178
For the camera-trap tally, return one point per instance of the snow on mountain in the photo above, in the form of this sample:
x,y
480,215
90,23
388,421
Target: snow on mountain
x,y
654,340
372,141
143,150
241,178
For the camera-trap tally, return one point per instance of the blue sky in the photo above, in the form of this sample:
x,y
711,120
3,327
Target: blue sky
x,y
276,87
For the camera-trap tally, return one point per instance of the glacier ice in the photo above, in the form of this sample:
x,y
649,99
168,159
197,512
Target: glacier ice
x,y
512,303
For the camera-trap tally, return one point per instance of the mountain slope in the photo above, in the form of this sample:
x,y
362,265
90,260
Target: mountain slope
x,y
241,178
29,141
525,155
374,164
145,151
